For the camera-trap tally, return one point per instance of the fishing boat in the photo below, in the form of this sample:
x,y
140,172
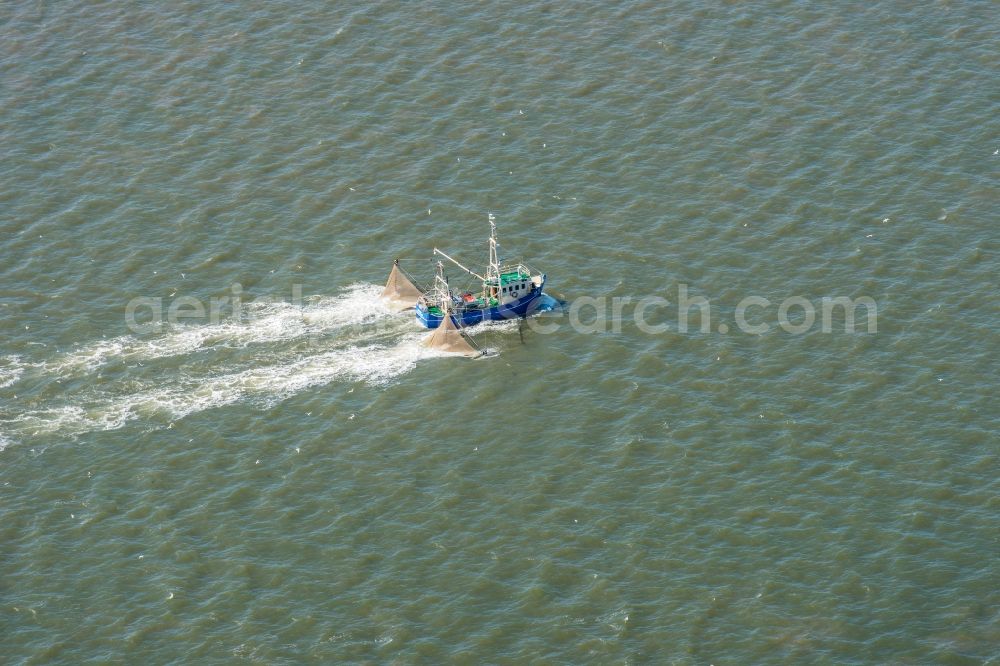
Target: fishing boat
x,y
504,291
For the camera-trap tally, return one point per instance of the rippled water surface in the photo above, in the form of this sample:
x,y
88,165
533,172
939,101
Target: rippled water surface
x,y
308,482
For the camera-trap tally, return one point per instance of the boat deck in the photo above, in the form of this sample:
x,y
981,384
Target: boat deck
x,y
510,274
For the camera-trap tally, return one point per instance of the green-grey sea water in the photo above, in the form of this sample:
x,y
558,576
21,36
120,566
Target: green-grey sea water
x,y
308,484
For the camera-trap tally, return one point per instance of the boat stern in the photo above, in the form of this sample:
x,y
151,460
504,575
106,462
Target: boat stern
x,y
429,316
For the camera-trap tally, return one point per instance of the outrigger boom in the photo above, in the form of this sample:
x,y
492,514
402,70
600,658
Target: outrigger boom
x,y
470,272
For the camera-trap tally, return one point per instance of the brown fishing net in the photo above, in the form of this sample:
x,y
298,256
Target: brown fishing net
x,y
400,293
447,337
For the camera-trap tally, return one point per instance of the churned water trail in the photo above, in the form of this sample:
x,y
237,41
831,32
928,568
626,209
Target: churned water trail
x,y
178,396
260,323
11,370
352,337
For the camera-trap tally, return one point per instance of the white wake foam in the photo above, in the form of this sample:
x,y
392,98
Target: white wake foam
x,y
11,369
263,322
265,385
360,340
495,326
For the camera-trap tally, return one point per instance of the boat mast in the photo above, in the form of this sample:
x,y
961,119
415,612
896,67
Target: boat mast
x,y
442,291
493,270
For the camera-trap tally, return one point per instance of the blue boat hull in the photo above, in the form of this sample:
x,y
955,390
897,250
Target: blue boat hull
x,y
513,310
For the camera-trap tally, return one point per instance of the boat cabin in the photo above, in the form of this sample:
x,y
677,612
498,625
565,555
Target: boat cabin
x,y
513,284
